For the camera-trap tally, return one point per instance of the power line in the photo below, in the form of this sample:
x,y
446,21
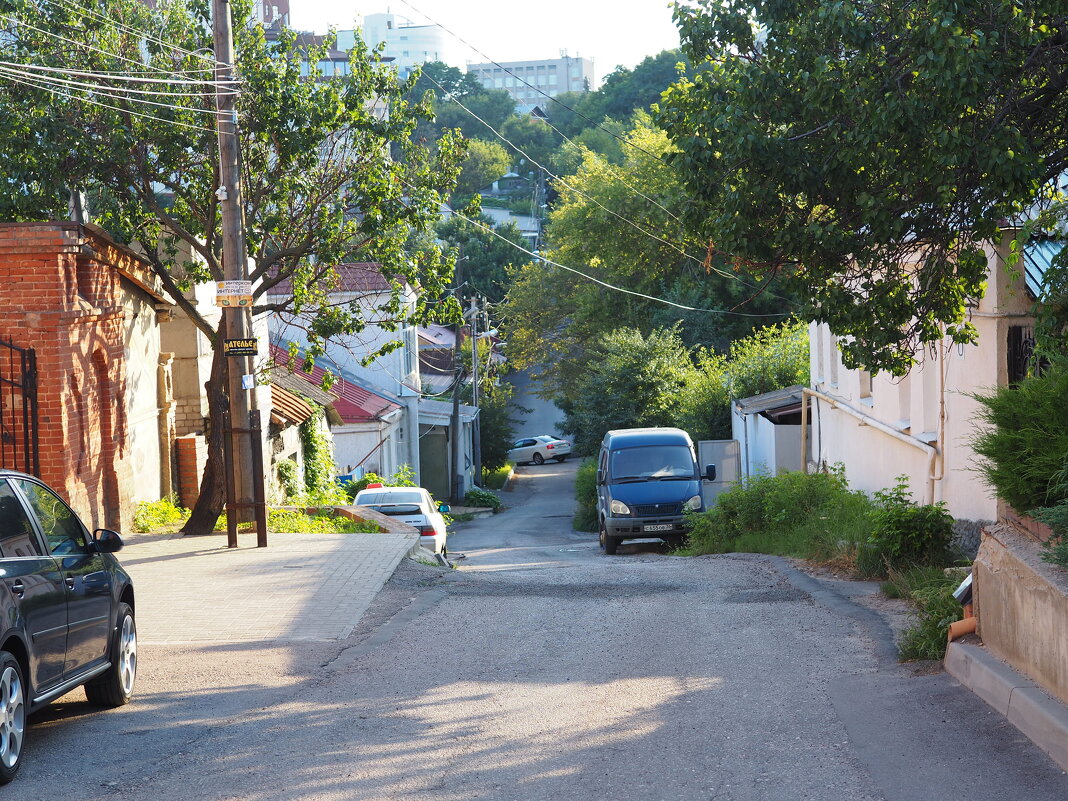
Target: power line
x,y
47,88
607,285
123,76
107,91
532,86
127,29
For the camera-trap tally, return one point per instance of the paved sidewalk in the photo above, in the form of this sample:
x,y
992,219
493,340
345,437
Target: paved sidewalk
x,y
301,587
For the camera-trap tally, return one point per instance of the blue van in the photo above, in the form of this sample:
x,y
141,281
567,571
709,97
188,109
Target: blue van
x,y
647,479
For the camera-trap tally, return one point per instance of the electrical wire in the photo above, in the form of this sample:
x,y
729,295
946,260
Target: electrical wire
x,y
127,29
78,86
117,76
47,88
607,285
116,56
559,102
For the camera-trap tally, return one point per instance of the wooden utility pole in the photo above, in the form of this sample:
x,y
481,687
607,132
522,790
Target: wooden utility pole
x,y
237,320
476,424
455,428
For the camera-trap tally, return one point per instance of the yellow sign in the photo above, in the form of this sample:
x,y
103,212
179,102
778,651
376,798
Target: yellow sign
x,y
233,293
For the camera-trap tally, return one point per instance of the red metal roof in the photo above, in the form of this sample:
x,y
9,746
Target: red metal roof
x,y
355,403
357,277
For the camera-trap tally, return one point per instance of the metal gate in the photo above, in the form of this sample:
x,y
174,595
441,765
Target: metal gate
x,y
18,409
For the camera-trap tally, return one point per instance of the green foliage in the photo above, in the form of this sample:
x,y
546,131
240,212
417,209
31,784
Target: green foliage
x,y
555,319
1056,549
164,514
905,533
494,478
791,514
586,495
771,358
485,163
833,143
1025,439
404,477
931,592
631,381
482,498
496,426
319,471
289,521
287,478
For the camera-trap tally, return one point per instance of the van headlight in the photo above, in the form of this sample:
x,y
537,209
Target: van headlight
x,y
618,508
692,505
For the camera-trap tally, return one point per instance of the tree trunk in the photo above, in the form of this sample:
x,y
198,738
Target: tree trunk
x,y
212,498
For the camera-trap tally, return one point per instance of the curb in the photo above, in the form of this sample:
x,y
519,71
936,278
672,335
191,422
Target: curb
x,y
1040,717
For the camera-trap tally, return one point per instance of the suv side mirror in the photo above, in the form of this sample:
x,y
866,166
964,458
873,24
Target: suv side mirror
x,y
600,476
106,541
444,508
710,472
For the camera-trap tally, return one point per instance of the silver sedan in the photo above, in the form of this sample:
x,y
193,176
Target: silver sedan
x,y
539,449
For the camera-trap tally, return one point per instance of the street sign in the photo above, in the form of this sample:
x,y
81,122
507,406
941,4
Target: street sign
x,y
233,293
240,347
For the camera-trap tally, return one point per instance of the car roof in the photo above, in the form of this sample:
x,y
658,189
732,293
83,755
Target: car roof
x,y
633,437
388,490
547,436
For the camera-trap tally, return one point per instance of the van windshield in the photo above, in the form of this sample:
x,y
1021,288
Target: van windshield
x,y
652,463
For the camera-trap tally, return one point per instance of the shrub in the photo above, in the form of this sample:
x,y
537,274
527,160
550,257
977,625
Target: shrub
x,y
586,495
904,533
287,478
404,477
793,514
494,479
1025,440
159,515
481,497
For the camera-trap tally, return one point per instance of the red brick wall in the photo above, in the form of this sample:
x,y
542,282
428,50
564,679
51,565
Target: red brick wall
x,y
192,453
63,301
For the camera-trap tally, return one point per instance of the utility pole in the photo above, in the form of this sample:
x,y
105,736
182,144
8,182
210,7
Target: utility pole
x,y
454,429
476,435
237,320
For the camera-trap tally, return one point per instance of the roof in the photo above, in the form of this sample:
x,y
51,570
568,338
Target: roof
x,y
1038,255
288,407
779,400
432,412
355,403
633,437
360,277
436,335
300,385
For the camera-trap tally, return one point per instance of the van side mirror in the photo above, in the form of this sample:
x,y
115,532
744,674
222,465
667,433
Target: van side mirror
x,y
710,472
600,476
444,508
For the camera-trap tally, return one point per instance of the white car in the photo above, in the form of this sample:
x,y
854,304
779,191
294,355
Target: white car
x,y
538,449
411,505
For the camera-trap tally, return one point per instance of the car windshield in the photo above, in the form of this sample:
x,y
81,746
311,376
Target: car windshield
x,y
382,498
652,463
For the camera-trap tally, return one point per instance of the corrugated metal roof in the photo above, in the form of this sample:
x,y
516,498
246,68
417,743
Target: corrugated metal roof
x,y
776,399
355,403
288,407
356,278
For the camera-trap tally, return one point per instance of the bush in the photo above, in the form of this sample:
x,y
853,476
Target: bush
x,y
904,533
481,497
287,478
163,514
586,495
1025,440
792,514
494,479
404,477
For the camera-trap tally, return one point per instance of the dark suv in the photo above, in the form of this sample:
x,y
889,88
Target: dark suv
x,y
66,611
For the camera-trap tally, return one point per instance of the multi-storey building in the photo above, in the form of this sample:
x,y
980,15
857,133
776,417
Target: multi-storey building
x,y
406,44
528,82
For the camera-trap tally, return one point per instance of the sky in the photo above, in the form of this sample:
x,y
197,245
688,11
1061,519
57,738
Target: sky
x,y
608,31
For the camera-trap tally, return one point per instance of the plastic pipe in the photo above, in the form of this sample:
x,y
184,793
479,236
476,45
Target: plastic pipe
x,y
962,627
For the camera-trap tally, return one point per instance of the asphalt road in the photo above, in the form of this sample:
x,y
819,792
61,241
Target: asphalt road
x,y
542,670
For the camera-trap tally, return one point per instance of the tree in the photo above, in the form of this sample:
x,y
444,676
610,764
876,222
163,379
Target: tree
x,y
532,142
494,106
319,189
487,258
441,79
485,163
603,226
867,151
634,381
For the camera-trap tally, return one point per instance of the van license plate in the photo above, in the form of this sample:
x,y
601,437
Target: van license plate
x,y
658,527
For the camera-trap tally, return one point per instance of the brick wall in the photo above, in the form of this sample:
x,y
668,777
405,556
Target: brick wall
x,y
61,299
192,454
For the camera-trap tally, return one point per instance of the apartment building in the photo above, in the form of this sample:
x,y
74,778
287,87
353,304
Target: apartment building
x,y
528,82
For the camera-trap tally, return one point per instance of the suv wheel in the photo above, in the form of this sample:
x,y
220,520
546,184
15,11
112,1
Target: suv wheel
x,y
114,687
12,716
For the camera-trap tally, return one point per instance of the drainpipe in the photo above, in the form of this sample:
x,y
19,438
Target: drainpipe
x,y
879,425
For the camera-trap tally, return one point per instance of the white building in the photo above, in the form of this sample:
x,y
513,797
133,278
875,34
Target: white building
x,y
529,82
921,425
406,43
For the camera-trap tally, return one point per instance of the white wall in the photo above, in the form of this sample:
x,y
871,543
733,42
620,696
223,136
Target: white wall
x,y
941,383
765,447
142,344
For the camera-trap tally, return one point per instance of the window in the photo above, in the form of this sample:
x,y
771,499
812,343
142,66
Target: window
x,y
865,387
62,529
16,530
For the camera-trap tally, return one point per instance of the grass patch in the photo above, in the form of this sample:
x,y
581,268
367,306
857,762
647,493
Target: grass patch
x,y
494,479
290,521
930,591
586,494
164,515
